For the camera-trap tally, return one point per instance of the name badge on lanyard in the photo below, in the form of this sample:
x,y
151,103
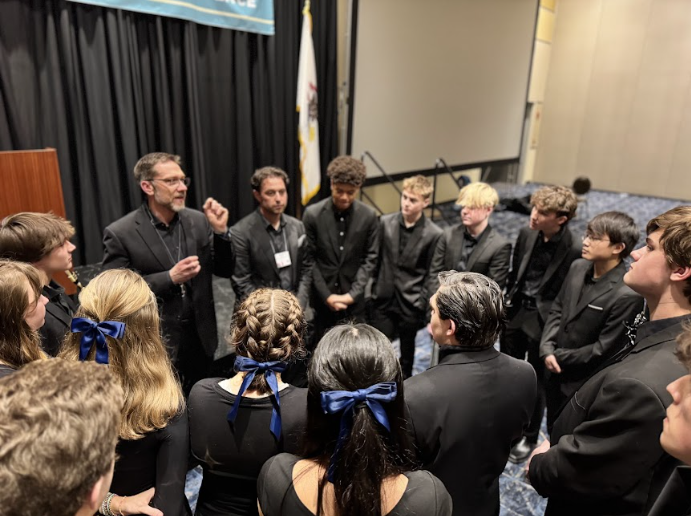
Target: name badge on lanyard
x,y
282,259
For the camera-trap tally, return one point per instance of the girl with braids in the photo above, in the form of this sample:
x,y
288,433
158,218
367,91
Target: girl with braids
x,y
358,458
239,423
118,324
22,313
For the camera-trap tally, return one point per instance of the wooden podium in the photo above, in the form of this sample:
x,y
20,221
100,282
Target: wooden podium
x,y
31,182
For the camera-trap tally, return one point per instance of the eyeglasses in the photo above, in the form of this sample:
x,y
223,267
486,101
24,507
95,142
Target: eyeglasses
x,y
172,182
594,238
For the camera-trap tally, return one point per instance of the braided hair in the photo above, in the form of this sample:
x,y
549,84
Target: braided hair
x,y
269,326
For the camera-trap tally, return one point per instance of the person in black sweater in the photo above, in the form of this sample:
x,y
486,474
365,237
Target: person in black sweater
x,y
43,240
22,313
118,325
236,424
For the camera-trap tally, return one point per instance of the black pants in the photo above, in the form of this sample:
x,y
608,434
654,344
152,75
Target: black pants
x,y
522,335
187,353
393,323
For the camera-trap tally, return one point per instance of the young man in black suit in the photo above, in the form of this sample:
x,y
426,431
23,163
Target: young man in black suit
x,y
403,281
176,250
590,316
269,246
343,235
43,240
542,256
606,458
466,411
473,245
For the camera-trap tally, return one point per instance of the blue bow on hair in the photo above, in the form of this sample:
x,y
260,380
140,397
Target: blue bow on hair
x,y
268,369
91,330
334,402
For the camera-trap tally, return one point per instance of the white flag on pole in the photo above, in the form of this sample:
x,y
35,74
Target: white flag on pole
x,y
307,107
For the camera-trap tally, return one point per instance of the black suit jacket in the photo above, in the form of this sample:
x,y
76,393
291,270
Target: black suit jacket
x,y
606,457
465,413
409,272
57,324
132,242
567,251
255,265
581,334
347,271
675,498
491,256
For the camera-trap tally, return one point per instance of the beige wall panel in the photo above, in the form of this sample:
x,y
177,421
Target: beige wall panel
x,y
668,42
652,133
545,25
621,36
603,131
679,180
538,73
566,92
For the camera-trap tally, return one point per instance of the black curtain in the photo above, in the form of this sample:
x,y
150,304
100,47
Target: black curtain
x,y
105,86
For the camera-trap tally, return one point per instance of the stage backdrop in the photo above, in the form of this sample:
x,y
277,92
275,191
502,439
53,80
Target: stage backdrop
x,y
106,86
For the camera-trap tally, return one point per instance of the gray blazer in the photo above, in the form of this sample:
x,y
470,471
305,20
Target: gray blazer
x,y
409,272
255,266
491,256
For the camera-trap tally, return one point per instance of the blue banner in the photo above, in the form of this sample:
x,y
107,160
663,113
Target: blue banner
x,y
246,15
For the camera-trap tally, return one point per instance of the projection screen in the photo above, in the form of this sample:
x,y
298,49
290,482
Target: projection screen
x,y
440,78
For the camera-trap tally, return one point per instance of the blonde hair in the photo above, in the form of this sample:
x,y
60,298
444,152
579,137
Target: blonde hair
x,y
419,185
139,359
269,326
558,199
478,195
58,430
19,344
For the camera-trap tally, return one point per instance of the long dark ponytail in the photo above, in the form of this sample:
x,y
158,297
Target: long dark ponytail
x,y
351,357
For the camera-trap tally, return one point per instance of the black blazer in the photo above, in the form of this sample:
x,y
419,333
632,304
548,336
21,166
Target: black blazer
x,y
491,256
606,457
465,413
255,265
581,334
345,272
567,251
409,272
57,325
675,498
131,242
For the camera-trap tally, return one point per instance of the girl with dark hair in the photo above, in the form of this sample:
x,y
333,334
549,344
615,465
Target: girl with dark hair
x,y
236,424
358,458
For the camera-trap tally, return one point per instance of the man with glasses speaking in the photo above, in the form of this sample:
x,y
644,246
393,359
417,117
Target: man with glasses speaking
x,y
176,250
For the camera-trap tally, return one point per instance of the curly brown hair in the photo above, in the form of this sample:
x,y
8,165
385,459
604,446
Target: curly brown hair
x,y
684,347
347,170
269,326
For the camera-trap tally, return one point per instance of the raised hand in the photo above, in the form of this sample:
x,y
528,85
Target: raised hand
x,y
216,214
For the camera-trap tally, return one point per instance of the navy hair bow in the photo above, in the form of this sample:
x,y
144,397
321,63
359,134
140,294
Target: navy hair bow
x,y
268,369
334,402
91,330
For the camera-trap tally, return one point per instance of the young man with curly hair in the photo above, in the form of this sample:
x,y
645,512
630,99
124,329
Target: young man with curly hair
x,y
343,235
